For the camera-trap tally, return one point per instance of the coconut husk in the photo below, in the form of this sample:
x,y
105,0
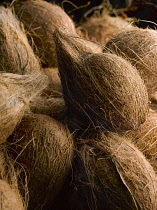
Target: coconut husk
x,y
145,138
40,19
102,27
101,88
140,50
118,169
54,79
16,92
16,54
44,147
10,198
50,101
52,106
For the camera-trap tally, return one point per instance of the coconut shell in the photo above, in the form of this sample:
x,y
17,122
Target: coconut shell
x,y
16,92
141,51
44,147
15,52
101,88
40,19
145,138
102,27
115,165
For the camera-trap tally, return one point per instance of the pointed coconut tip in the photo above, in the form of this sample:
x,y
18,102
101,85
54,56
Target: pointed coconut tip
x,y
74,45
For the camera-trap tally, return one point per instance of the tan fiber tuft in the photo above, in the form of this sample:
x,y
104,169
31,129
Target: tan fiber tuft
x,y
15,52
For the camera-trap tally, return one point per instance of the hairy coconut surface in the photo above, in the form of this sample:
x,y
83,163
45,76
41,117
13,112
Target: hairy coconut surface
x,y
145,138
102,27
115,164
53,106
139,46
40,19
10,198
50,101
16,92
102,87
15,52
44,147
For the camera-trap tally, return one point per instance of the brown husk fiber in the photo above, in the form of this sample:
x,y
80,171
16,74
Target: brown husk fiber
x,y
15,52
16,92
44,147
121,168
10,198
145,138
139,46
54,79
50,101
102,87
40,19
102,27
52,106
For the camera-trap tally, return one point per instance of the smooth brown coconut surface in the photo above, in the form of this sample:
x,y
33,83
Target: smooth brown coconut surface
x,y
40,19
16,92
101,88
102,27
44,147
145,138
115,165
10,198
15,52
139,46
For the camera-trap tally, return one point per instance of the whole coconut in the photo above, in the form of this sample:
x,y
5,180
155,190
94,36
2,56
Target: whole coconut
x,y
119,173
44,147
102,27
139,46
40,19
101,88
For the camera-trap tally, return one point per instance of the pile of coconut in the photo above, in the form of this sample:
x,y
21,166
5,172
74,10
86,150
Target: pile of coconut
x,y
78,113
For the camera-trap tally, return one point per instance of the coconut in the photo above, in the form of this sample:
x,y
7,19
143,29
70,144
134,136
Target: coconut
x,y
101,88
118,169
140,50
16,54
16,92
102,27
40,19
10,198
44,147
145,138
